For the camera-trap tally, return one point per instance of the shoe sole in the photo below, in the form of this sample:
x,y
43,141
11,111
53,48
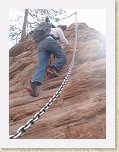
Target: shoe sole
x,y
32,92
29,89
52,74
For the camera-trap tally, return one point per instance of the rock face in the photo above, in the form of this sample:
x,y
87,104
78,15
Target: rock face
x,y
79,112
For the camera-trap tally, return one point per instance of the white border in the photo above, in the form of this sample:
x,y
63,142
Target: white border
x,y
109,142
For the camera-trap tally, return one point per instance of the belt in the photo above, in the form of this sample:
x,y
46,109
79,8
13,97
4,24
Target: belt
x,y
52,36
48,37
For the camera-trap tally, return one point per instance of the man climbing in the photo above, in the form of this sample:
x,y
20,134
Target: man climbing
x,y
45,48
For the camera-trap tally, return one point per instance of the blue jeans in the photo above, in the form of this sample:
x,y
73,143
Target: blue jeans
x,y
44,49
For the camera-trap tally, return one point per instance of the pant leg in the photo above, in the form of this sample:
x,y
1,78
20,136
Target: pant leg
x,y
43,58
53,47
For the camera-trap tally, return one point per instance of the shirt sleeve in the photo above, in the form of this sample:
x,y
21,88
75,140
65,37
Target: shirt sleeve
x,y
62,37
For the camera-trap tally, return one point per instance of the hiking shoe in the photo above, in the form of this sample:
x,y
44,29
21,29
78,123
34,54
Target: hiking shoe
x,y
34,91
52,72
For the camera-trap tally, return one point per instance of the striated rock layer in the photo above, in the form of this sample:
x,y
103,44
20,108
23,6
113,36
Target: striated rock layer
x,y
80,109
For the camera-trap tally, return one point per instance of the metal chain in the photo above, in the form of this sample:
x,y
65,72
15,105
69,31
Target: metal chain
x,y
66,17
21,131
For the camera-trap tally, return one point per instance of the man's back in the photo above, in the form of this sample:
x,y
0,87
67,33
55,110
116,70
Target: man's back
x,y
58,33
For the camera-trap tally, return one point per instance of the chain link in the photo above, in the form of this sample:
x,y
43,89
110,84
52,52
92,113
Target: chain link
x,y
21,131
66,17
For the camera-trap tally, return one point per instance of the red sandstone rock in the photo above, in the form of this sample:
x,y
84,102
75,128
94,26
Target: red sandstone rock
x,y
80,109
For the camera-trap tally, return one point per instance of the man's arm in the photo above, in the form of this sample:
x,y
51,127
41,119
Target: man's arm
x,y
62,37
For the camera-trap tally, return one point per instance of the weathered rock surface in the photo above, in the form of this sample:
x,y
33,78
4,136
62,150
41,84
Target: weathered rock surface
x,y
80,109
